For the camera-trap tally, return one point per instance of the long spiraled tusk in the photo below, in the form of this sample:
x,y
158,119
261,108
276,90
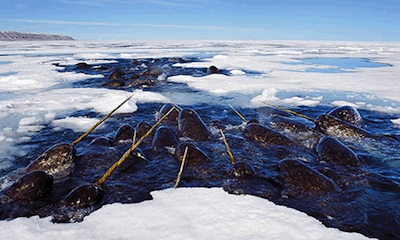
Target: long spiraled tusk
x,y
178,179
128,152
100,122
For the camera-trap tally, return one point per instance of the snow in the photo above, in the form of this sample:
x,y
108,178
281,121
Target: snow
x,y
345,103
182,213
269,96
396,121
222,84
33,94
237,72
81,124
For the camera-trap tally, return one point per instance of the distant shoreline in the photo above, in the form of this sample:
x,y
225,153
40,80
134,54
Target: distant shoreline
x,y
21,36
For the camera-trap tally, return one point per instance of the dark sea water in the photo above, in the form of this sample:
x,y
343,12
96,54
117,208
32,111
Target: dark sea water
x,y
367,199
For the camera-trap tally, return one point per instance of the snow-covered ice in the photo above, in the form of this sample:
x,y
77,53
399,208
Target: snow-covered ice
x,y
183,213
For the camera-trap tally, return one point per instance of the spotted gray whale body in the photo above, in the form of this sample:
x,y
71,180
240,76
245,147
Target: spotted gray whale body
x,y
84,196
173,117
333,151
347,113
338,128
142,128
164,137
195,156
192,126
101,141
242,169
30,187
297,131
264,134
303,177
124,133
57,161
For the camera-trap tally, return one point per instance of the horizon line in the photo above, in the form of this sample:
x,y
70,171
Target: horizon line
x,y
154,25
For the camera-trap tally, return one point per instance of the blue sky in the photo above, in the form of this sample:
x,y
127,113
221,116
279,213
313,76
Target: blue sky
x,y
206,19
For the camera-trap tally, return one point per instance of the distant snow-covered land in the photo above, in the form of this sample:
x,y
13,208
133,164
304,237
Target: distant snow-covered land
x,y
20,36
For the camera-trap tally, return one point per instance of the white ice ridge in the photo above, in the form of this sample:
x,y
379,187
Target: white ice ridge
x,y
183,213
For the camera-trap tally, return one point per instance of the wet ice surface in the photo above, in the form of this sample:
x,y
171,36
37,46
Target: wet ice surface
x,y
336,65
67,101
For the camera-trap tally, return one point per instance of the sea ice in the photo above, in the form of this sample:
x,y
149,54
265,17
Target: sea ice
x,y
183,213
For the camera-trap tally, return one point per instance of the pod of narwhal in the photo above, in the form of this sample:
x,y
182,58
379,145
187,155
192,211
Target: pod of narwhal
x,y
89,194
340,122
57,162
54,164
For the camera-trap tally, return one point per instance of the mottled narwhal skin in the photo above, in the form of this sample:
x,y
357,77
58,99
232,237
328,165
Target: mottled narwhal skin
x,y
348,114
242,170
100,141
116,74
298,174
338,128
30,187
172,118
82,65
191,125
264,134
116,79
84,196
142,128
212,70
124,133
331,150
57,161
164,137
303,133
289,124
194,154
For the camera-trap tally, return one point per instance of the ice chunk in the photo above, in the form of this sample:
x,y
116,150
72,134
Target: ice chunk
x,y
183,213
81,124
268,95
